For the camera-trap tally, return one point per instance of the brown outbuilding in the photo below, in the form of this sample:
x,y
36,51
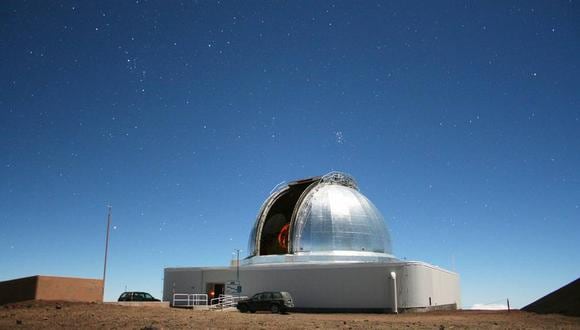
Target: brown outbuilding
x,y
51,288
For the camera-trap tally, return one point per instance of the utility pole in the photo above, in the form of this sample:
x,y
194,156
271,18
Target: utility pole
x,y
237,265
106,251
453,262
238,271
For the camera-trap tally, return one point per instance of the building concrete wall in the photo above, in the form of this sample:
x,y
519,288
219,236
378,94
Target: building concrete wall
x,y
330,286
423,285
69,289
17,290
51,288
182,280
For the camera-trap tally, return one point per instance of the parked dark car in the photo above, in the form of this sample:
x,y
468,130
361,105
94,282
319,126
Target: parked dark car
x,y
275,302
136,296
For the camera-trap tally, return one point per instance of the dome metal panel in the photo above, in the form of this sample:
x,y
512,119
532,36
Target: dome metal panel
x,y
321,219
334,217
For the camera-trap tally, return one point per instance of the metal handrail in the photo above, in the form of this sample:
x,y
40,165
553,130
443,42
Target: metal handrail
x,y
178,298
190,299
224,301
199,299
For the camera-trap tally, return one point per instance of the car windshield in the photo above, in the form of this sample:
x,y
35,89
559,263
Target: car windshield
x,y
148,296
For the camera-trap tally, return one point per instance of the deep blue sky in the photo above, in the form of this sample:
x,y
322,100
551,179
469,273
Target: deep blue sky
x,y
460,120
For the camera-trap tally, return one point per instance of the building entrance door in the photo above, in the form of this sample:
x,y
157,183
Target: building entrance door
x,y
214,290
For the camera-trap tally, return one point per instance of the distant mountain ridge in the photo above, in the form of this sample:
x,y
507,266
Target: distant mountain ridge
x,y
565,300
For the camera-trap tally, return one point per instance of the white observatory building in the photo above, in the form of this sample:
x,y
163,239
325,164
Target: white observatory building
x,y
324,242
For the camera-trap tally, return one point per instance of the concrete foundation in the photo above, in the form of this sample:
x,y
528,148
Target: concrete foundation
x,y
164,304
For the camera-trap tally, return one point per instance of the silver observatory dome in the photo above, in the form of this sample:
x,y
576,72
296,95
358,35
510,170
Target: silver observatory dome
x,y
320,219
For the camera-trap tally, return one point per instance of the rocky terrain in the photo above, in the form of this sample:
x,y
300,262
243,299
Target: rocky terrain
x,y
108,316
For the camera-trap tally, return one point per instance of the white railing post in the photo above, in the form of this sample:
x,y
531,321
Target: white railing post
x,y
189,299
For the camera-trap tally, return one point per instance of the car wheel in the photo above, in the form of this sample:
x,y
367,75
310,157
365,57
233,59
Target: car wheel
x,y
243,309
275,309
252,310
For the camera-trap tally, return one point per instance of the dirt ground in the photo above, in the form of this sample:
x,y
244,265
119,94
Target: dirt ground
x,y
82,316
